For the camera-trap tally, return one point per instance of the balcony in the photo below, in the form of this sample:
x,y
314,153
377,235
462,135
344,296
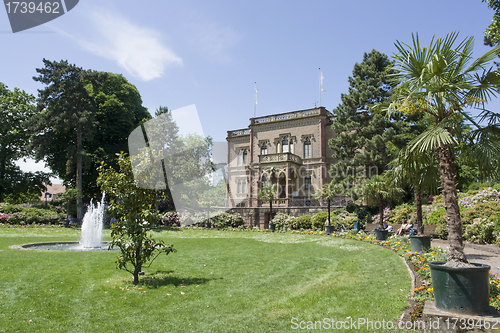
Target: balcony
x,y
280,157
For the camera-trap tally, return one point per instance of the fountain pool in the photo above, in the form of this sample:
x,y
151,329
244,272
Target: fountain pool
x,y
91,236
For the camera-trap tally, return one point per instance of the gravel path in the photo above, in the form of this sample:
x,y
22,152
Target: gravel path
x,y
483,254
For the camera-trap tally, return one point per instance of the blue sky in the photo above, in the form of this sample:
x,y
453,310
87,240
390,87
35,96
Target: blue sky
x,y
210,53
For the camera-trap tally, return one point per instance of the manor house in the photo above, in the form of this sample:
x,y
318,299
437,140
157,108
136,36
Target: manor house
x,y
289,149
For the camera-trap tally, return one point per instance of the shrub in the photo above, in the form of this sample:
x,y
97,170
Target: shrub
x,y
481,231
284,222
304,222
477,186
319,219
3,218
9,208
189,218
387,214
227,220
438,217
363,213
34,216
482,196
480,210
402,213
170,219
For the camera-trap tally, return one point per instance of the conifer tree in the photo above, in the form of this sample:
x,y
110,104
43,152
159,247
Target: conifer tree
x,y
366,141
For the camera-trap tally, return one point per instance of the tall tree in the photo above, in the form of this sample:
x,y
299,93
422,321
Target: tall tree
x,y
365,141
84,117
65,105
16,108
443,81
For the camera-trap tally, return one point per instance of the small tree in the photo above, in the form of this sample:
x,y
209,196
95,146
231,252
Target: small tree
x,y
419,171
269,193
328,192
380,188
134,208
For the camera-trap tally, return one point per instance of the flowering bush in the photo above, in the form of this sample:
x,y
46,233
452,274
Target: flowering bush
x,y
485,195
188,218
481,231
170,219
387,212
285,222
3,218
227,220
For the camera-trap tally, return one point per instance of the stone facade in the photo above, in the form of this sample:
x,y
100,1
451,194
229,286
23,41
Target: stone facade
x,y
289,149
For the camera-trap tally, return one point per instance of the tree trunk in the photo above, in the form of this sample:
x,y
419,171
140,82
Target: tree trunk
x,y
417,191
79,201
447,173
381,211
138,265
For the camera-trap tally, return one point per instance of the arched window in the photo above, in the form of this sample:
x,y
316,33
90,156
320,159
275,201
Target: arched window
x,y
291,146
285,145
307,148
263,149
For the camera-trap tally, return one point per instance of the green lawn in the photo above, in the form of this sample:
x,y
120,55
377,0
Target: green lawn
x,y
216,282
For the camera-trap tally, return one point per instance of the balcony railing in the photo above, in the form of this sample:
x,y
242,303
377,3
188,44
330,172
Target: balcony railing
x,y
280,157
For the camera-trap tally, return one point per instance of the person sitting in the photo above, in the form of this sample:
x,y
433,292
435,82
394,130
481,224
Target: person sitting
x,y
404,228
387,227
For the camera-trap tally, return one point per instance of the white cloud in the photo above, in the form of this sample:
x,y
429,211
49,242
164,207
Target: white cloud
x,y
138,50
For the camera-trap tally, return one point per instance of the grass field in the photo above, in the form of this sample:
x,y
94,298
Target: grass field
x,y
218,281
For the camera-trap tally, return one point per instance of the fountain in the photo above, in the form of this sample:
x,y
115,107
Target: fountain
x,y
91,236
92,225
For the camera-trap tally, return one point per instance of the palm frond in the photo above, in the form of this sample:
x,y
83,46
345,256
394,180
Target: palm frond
x,y
431,139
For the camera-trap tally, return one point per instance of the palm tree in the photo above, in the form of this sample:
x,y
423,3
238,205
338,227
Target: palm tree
x,y
442,81
328,192
379,189
269,193
417,170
